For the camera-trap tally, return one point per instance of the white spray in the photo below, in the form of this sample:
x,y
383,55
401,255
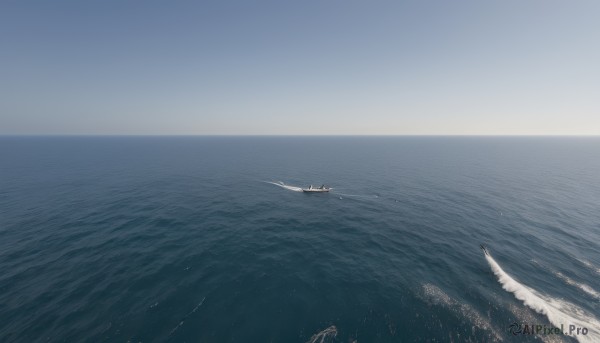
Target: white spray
x,y
559,312
320,337
283,185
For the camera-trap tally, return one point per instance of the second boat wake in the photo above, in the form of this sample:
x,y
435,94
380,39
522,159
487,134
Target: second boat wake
x,y
559,312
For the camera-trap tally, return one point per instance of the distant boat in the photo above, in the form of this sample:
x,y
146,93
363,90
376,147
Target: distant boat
x,y
311,189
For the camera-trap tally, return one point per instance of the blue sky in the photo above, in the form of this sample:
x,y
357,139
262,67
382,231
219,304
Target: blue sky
x,y
300,67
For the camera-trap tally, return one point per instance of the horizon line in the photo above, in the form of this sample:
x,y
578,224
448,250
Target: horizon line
x,y
295,135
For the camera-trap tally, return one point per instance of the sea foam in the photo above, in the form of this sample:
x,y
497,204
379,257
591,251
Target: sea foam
x,y
559,312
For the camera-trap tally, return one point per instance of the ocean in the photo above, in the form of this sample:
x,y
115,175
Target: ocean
x,y
207,239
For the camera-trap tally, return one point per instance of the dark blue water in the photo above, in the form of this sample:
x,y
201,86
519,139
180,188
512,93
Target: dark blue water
x,y
182,239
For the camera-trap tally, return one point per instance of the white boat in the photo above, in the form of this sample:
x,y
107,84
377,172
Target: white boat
x,y
311,189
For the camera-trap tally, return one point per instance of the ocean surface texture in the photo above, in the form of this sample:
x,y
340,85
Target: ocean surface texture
x,y
207,239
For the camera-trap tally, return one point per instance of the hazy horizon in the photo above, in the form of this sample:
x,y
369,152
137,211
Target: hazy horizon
x,y
297,135
464,68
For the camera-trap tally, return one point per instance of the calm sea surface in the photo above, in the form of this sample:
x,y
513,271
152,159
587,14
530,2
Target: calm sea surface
x,y
206,239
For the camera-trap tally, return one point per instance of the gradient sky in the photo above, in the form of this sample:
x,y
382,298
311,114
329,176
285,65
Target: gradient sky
x,y
300,67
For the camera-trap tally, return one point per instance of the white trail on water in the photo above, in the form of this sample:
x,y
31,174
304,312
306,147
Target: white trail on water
x,y
186,317
558,311
283,185
582,286
299,189
590,266
320,337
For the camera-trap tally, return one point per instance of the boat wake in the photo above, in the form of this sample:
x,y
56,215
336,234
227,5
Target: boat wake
x,y
559,312
186,317
436,296
283,185
299,189
585,288
581,286
589,265
322,336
